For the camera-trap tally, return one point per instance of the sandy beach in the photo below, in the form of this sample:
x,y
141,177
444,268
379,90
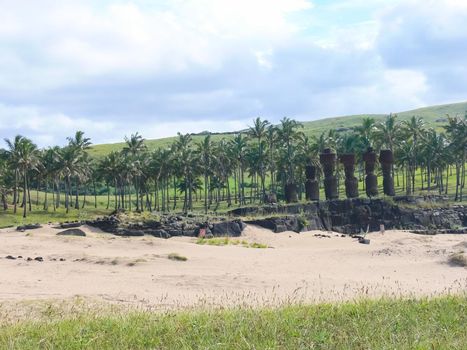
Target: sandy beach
x,y
305,267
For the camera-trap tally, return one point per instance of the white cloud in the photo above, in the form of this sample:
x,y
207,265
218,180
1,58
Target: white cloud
x,y
47,128
134,37
190,65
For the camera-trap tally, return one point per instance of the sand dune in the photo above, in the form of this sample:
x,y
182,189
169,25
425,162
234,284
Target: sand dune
x,y
296,267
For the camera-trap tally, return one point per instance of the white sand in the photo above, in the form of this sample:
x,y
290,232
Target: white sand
x,y
297,267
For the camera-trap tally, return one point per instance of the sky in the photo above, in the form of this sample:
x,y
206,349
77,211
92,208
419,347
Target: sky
x,y
111,68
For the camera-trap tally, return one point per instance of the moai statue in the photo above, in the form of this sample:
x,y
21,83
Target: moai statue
x,y
291,195
328,162
351,182
386,159
371,181
311,184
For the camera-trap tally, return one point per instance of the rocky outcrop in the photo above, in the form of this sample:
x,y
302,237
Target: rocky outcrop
x,y
350,216
28,227
71,224
228,228
168,226
72,232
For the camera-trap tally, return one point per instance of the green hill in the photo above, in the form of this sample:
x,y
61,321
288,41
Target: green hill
x,y
434,116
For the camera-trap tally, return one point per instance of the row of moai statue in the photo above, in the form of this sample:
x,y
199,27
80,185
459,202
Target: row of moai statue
x,y
328,161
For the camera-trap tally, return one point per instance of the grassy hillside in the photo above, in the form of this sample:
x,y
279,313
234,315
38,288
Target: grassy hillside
x,y
435,116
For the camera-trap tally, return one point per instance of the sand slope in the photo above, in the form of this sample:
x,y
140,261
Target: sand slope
x,y
297,267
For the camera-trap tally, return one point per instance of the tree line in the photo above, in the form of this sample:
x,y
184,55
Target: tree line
x,y
246,168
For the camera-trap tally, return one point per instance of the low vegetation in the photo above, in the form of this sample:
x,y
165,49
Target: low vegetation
x,y
383,324
177,257
458,259
222,241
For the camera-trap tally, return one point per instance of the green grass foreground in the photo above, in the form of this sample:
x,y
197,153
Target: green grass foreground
x,y
439,323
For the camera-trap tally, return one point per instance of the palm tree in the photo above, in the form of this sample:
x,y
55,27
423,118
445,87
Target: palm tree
x,y
433,152
71,167
386,132
49,160
288,134
5,187
404,160
206,157
367,131
79,142
189,167
79,145
13,161
132,151
224,166
413,129
238,150
271,140
259,131
457,131
27,160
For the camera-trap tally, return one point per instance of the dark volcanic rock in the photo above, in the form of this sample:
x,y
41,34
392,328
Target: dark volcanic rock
x,y
228,228
129,232
28,227
72,232
108,224
158,233
71,224
351,216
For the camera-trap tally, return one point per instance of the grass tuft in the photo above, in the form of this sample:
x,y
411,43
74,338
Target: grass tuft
x,y
458,259
177,257
222,241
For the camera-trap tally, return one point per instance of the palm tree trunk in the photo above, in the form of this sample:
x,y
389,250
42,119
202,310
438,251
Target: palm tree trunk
x,y
57,187
25,192
4,202
129,197
137,193
190,194
229,199
447,180
95,193
46,204
15,192
53,196
108,195
76,195
175,192
205,192
116,196
29,196
242,184
84,196
67,194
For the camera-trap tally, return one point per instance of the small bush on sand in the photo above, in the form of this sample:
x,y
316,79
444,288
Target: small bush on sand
x,y
458,259
177,257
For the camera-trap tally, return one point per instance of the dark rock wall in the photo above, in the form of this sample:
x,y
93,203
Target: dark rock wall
x,y
353,215
168,226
